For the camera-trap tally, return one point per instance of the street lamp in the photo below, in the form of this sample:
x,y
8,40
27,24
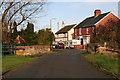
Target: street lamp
x,y
51,23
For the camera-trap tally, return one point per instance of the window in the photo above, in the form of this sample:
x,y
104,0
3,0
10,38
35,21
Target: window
x,y
93,29
78,38
65,35
87,31
80,31
70,42
75,31
75,42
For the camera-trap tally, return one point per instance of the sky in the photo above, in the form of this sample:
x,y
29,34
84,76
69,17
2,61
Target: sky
x,y
70,13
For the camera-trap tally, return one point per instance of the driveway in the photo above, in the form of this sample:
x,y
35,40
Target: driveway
x,y
65,64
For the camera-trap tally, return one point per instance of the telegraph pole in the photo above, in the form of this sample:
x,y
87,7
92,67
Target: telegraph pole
x,y
51,23
58,25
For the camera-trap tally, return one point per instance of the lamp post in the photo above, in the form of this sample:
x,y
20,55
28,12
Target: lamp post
x,y
51,23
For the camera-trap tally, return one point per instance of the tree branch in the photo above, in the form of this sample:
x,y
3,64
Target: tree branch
x,y
6,11
1,4
29,15
17,11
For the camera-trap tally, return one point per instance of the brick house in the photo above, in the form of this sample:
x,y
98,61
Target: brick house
x,y
84,30
65,33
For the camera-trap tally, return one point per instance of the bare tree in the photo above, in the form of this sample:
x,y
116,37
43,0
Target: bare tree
x,y
18,12
109,32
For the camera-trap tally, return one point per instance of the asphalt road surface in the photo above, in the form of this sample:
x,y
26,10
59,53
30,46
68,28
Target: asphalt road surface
x,y
66,64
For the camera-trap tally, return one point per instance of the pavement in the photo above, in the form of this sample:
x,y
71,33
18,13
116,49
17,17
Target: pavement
x,y
67,63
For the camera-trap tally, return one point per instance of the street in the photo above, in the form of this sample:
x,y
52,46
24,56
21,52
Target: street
x,y
66,64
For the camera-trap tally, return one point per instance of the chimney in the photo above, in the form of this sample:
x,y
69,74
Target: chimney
x,y
63,24
97,12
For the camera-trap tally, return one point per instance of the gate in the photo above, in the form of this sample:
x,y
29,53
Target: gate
x,y
8,49
21,49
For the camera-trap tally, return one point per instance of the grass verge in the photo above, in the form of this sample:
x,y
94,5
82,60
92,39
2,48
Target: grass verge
x,y
106,62
13,61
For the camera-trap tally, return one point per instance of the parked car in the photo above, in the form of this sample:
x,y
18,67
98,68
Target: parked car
x,y
60,45
72,43
53,46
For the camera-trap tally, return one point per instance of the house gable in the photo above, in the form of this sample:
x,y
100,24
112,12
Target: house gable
x,y
109,16
91,21
65,29
88,25
66,33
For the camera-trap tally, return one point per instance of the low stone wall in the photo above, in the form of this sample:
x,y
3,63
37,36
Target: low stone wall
x,y
31,50
106,51
102,50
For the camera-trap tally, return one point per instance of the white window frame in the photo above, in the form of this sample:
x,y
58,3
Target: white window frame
x,y
65,35
75,31
93,29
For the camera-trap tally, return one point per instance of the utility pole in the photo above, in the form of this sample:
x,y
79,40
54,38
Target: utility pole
x,y
51,23
58,25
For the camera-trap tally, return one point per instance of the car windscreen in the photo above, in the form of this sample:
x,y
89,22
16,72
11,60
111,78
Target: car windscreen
x,y
61,44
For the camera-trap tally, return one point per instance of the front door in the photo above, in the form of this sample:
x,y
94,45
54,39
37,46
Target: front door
x,y
81,41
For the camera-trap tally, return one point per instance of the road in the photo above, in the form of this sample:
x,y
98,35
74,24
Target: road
x,y
66,64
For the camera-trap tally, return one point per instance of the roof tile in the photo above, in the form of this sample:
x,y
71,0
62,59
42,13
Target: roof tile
x,y
65,29
90,21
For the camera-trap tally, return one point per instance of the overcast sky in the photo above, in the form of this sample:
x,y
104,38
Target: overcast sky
x,y
71,12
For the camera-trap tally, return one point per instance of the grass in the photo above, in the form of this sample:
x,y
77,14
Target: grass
x,y
104,61
11,62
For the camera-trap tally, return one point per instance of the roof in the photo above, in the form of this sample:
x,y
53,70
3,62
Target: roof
x,y
19,40
91,21
65,29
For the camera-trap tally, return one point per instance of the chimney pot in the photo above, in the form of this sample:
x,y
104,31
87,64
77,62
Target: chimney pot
x,y
63,24
97,12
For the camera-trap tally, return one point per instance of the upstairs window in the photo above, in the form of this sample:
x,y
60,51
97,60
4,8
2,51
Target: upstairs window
x,y
87,30
93,30
75,31
57,36
80,31
65,35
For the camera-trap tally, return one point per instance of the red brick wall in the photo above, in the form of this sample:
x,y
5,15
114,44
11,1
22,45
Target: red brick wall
x,y
90,30
76,33
102,22
79,46
110,16
84,31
